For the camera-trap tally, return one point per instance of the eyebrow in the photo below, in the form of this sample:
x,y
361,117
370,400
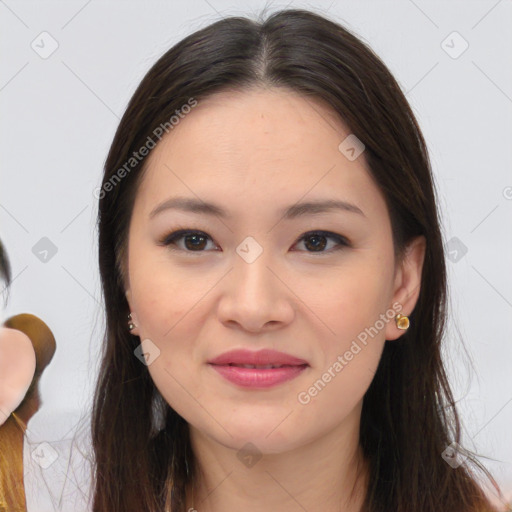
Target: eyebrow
x,y
291,212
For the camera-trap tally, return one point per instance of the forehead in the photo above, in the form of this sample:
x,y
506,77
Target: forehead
x,y
271,125
250,147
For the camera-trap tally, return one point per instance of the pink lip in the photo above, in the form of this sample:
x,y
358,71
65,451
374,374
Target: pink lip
x,y
261,357
258,378
228,365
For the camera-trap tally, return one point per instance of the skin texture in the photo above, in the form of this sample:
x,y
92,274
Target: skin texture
x,y
17,367
254,153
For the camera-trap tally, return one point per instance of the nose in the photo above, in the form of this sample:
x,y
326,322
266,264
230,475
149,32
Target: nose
x,y
255,296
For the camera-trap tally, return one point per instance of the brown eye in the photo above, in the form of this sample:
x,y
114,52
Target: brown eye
x,y
317,241
194,241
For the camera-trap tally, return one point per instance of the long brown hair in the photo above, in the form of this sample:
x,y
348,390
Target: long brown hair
x,y
12,491
408,415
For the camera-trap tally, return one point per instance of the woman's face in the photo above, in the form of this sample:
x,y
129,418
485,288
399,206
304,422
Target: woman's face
x,y
250,279
17,367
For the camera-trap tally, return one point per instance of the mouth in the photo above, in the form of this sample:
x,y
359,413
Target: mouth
x,y
253,376
264,359
262,366
261,369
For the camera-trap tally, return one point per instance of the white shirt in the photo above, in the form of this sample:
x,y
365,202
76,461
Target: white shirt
x,y
57,474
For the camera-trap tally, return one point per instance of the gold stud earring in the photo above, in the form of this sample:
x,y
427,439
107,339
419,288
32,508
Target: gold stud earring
x,y
402,322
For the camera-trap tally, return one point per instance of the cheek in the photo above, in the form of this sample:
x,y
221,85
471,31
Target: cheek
x,y
352,300
350,351
166,303
353,305
180,378
162,293
173,315
336,390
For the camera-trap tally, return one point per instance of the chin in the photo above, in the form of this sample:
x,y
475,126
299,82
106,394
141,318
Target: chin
x,y
262,436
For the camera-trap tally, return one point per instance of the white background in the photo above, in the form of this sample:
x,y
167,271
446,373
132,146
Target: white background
x,y
59,114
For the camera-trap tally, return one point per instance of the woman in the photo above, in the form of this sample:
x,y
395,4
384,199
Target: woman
x,y
26,347
275,286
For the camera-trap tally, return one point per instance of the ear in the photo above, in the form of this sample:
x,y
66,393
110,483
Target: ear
x,y
135,331
407,283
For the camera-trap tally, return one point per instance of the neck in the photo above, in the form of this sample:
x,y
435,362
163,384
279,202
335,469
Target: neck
x,y
328,474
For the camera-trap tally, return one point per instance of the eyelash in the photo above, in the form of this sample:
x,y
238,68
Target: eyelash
x,y
170,239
